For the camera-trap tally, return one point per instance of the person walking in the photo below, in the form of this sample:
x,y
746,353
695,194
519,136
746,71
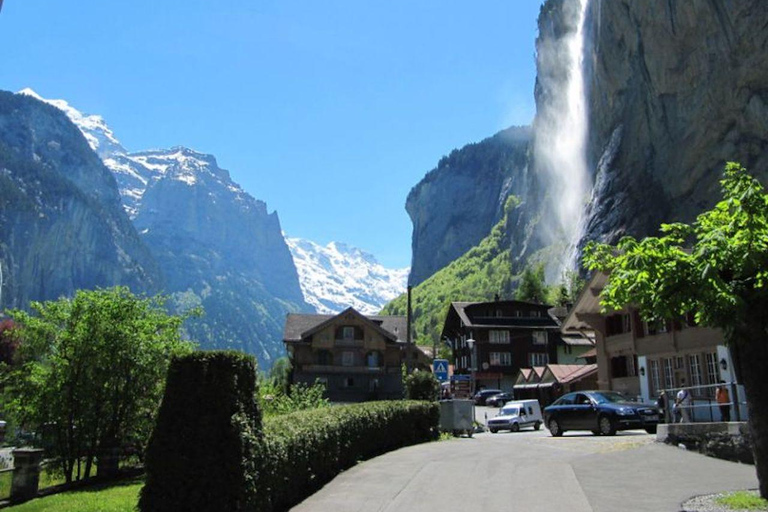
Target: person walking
x,y
723,399
683,403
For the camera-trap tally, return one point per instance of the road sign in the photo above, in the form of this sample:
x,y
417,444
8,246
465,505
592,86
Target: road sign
x,y
461,377
440,369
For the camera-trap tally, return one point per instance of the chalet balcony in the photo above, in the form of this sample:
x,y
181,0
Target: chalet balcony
x,y
348,343
323,368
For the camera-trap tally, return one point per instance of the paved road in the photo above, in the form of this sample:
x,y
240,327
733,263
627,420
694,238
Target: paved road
x,y
530,471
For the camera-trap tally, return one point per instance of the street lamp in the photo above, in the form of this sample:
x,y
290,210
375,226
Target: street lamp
x,y
471,345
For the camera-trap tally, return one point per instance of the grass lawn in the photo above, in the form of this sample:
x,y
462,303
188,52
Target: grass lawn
x,y
120,497
743,500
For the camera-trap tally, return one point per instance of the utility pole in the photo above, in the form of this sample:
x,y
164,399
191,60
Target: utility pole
x,y
408,338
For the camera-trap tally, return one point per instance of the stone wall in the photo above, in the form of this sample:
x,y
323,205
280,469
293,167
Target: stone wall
x,y
728,441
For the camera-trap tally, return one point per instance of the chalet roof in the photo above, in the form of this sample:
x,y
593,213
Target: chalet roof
x,y
567,373
462,309
298,326
578,341
538,371
587,303
526,372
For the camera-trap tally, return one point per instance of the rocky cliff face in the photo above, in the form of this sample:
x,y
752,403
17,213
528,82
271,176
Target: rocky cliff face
x,y
219,248
62,226
673,90
457,203
215,245
676,89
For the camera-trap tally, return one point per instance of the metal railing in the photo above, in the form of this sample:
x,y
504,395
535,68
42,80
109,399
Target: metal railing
x,y
702,407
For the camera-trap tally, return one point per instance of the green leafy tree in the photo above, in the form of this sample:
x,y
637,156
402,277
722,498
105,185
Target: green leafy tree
x,y
718,268
532,287
90,374
421,385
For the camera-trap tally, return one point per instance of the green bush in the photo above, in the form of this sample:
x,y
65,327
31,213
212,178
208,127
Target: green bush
x,y
304,450
203,452
422,386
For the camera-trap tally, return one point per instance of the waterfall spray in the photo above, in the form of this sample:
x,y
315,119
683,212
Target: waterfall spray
x,y
561,132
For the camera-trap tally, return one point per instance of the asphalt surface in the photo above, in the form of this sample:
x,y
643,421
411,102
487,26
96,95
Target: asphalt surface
x,y
531,471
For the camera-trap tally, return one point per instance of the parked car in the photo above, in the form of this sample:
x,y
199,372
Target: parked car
x,y
498,400
516,415
484,394
602,412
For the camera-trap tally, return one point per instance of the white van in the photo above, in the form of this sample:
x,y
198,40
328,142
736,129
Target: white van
x,y
516,415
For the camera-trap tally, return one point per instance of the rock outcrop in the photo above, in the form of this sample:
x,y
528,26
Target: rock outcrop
x,y
218,248
676,89
62,226
457,203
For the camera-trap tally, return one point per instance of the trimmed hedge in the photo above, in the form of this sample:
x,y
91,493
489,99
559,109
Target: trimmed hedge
x,y
209,453
203,450
302,451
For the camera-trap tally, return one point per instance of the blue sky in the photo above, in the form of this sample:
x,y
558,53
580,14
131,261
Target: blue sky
x,y
329,111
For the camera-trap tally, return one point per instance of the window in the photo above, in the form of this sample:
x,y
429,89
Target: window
x,y
498,337
348,358
348,333
373,360
518,313
501,359
536,314
349,382
695,363
655,377
324,358
538,359
626,323
713,372
679,363
539,337
669,373
631,366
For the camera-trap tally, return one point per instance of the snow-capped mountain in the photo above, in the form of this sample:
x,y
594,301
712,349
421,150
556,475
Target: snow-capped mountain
x,y
216,246
337,276
96,132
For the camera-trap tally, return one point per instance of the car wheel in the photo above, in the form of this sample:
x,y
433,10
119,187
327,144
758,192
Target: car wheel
x,y
537,425
493,430
515,427
607,426
554,428
651,430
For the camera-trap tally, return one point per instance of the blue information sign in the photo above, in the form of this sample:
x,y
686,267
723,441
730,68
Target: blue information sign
x,y
461,377
440,369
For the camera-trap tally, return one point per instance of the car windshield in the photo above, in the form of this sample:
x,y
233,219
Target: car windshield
x,y
604,397
510,412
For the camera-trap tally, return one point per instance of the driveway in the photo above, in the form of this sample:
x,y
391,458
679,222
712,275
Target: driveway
x,y
531,471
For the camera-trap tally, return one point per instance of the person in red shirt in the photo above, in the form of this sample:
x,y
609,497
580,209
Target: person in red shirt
x,y
723,401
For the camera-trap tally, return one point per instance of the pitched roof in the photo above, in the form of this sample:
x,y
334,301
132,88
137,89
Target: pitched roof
x,y
539,371
588,353
544,321
566,373
297,325
578,341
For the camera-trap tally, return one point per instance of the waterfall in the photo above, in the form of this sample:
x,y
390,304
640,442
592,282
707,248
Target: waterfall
x,y
561,133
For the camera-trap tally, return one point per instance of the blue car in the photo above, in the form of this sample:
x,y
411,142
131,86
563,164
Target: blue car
x,y
601,412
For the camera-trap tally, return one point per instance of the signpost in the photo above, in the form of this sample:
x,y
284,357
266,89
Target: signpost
x,y
440,369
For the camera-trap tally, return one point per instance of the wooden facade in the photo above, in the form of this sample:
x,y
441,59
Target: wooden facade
x,y
357,357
